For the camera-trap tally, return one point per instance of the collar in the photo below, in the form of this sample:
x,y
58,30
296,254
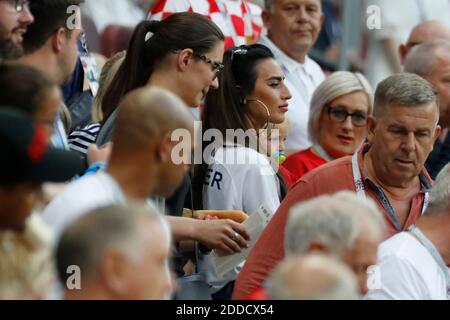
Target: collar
x,y
425,180
286,61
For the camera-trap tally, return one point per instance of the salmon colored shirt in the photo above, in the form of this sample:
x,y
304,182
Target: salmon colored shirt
x,y
330,178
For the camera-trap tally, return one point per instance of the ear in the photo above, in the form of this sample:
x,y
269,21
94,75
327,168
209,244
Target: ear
x,y
163,150
402,51
265,15
371,125
437,133
184,58
317,246
58,40
113,269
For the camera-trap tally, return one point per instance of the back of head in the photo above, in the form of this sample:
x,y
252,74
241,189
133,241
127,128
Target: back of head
x,y
312,277
423,58
23,87
151,43
336,221
336,85
49,16
405,89
224,107
440,193
145,115
86,241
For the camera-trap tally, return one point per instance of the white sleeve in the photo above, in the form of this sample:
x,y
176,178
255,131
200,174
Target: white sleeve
x,y
400,280
219,193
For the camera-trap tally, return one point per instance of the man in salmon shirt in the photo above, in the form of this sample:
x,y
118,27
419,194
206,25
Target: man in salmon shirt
x,y
389,169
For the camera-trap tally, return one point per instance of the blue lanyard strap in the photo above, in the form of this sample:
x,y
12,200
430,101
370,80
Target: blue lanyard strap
x,y
429,246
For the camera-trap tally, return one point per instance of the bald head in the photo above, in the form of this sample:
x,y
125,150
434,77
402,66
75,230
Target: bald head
x,y
146,115
312,277
426,31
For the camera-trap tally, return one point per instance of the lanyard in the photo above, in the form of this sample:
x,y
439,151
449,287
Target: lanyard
x,y
360,187
434,253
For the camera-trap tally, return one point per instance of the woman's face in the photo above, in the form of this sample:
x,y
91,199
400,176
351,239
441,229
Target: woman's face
x,y
338,136
271,92
48,109
203,75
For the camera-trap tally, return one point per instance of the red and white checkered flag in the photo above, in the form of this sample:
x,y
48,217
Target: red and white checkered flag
x,y
240,21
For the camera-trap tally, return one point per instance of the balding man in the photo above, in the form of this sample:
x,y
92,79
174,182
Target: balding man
x,y
343,225
121,252
141,166
312,277
389,169
425,31
431,61
414,265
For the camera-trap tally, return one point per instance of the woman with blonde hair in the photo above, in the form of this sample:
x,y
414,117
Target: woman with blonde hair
x,y
337,122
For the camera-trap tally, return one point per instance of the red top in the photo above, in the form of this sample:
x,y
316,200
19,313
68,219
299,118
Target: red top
x,y
328,179
301,163
258,294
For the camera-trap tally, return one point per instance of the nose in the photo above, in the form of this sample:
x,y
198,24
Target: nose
x,y
302,14
26,17
347,125
215,83
286,94
409,142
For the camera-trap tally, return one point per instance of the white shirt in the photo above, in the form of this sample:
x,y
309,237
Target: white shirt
x,y
79,198
398,18
118,12
244,184
301,80
407,271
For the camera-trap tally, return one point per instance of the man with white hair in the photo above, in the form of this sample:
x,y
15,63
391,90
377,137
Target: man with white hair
x,y
312,277
431,61
120,253
343,225
413,265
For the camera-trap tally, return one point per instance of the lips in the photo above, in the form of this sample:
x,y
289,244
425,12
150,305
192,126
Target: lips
x,y
405,162
284,107
345,139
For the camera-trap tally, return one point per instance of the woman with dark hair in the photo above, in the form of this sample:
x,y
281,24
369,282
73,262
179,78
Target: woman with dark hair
x,y
251,97
183,54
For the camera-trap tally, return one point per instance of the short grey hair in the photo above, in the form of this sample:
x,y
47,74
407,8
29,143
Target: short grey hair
x,y
422,58
406,89
84,242
335,86
312,277
440,193
337,221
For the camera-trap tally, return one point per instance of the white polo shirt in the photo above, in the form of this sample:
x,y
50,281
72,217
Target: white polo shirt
x,y
407,272
301,80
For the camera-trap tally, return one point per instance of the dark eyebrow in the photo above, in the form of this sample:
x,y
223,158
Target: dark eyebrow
x,y
276,78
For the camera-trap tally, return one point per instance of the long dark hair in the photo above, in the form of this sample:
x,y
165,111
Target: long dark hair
x,y
225,107
177,32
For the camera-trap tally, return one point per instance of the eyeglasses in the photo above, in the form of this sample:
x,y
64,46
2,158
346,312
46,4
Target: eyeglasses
x,y
20,5
339,115
216,66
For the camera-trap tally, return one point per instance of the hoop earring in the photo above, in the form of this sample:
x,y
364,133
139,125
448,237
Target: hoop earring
x,y
266,125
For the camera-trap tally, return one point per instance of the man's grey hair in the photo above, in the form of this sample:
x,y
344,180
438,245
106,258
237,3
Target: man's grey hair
x,y
423,58
440,193
336,221
85,242
405,89
312,277
335,86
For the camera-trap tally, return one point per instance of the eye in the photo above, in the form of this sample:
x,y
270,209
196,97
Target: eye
x,y
274,84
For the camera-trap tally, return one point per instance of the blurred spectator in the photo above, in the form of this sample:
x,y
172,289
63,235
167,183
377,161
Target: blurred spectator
x,y
390,170
122,253
397,19
431,60
337,122
250,97
51,47
292,30
123,12
413,265
15,16
312,277
27,162
424,32
26,262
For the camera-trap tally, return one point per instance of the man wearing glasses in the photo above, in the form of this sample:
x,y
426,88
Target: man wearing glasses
x,y
389,170
15,16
